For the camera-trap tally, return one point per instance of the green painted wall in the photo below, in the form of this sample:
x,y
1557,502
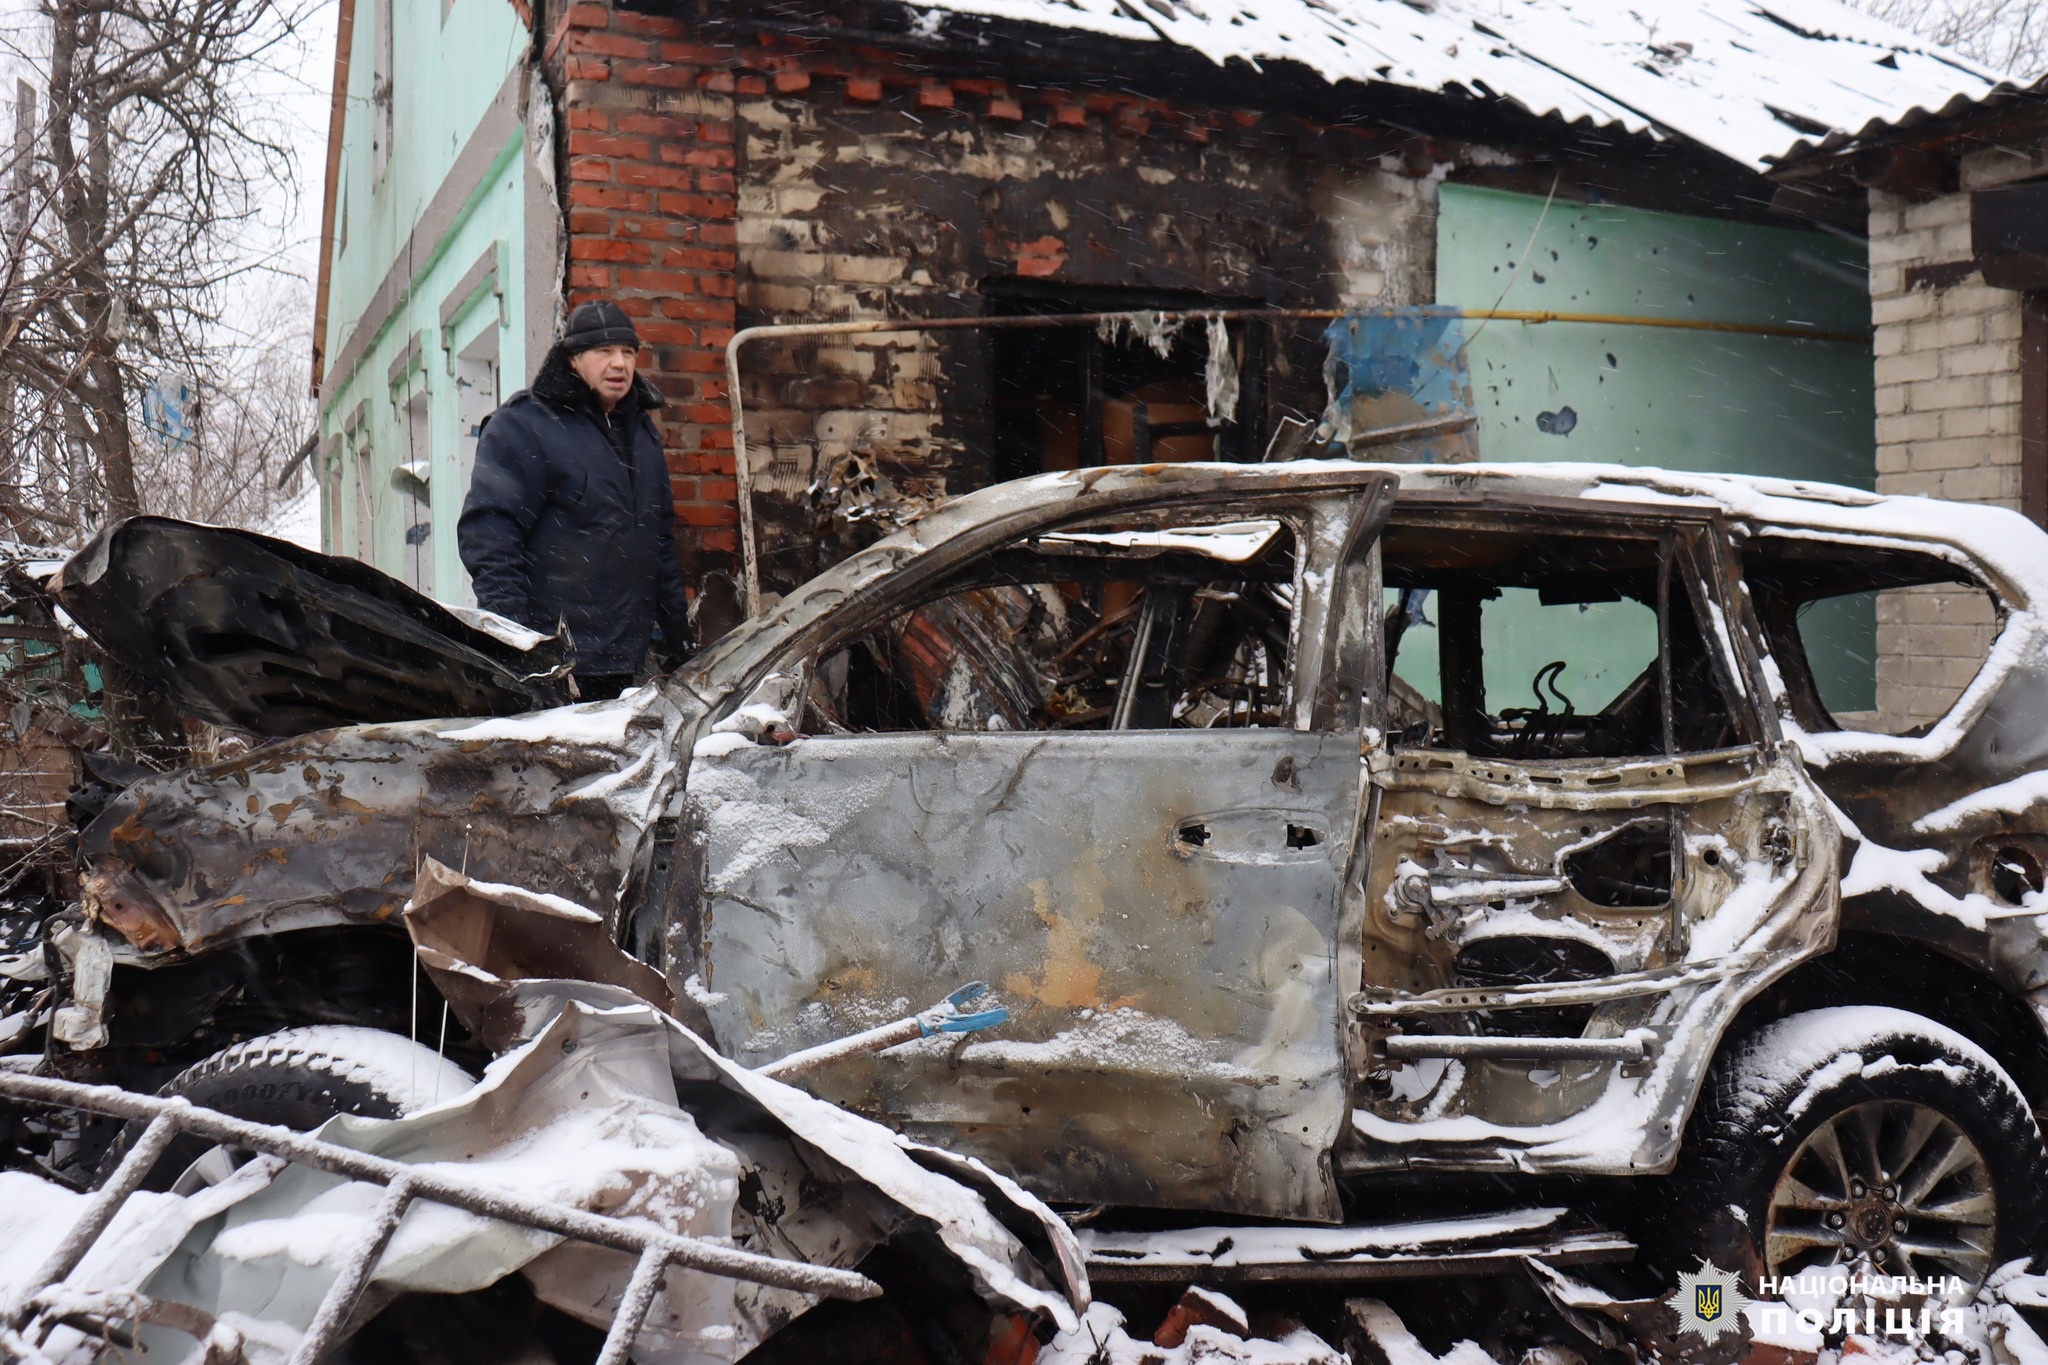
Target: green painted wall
x,y
1648,396
1694,400
447,60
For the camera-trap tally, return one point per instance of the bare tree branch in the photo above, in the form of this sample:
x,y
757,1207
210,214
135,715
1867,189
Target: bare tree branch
x,y
127,204
2007,35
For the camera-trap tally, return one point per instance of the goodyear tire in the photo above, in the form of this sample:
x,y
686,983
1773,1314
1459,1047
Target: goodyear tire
x,y
1863,1137
297,1079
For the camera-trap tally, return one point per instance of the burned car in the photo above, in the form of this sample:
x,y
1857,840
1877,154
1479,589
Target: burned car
x,y
1559,847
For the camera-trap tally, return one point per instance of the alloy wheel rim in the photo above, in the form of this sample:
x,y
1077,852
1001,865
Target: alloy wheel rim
x,y
1888,1187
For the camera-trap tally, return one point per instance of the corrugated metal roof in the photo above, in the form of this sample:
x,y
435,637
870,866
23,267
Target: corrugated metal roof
x,y
1749,78
1958,107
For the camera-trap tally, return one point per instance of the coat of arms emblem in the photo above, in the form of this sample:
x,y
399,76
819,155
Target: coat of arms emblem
x,y
1709,1302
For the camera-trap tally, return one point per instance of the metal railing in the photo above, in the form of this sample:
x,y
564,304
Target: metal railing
x,y
43,1305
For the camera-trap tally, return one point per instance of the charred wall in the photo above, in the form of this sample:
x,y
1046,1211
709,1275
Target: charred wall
x,y
939,201
720,176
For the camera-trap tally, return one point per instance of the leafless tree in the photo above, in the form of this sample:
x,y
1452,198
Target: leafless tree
x,y
250,409
2007,35
128,205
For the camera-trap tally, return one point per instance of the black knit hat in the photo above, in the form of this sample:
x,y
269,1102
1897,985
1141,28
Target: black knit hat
x,y
602,323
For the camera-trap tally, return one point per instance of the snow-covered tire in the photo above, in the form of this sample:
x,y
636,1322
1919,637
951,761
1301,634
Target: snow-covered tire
x,y
300,1078
1942,1169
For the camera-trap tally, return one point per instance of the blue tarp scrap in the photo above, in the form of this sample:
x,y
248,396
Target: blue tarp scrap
x,y
1396,366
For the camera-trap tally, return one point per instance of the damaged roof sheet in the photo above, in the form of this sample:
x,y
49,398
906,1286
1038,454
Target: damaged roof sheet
x,y
1748,78
1959,108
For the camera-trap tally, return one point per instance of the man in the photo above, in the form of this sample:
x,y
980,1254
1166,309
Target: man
x,y
569,520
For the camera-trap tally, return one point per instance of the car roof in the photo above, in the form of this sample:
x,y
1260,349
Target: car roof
x,y
1995,542
2008,546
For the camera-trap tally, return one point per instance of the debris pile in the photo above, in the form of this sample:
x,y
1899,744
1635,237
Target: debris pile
x,y
1205,1326
602,1104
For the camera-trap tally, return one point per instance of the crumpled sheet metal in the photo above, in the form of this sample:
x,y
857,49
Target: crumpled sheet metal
x,y
474,938
584,1115
263,635
1196,985
494,992
329,828
587,1113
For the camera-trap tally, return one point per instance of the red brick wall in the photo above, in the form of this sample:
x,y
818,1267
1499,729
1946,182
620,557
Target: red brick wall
x,y
650,197
796,181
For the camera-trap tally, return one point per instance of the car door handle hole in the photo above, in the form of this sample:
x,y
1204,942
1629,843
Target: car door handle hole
x,y
1194,834
1301,836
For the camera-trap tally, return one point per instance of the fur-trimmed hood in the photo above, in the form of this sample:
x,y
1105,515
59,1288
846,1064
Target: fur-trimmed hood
x,y
560,385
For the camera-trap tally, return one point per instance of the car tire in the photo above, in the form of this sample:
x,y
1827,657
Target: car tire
x,y
296,1079
1860,1136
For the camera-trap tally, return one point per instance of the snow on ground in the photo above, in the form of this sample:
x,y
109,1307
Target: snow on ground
x,y
33,1214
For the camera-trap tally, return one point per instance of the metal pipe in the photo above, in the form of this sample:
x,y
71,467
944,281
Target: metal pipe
x,y
633,1307
482,1200
743,476
341,1296
100,1211
1403,1047
854,1045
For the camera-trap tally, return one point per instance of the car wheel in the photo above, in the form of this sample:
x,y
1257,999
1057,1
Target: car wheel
x,y
1865,1138
297,1079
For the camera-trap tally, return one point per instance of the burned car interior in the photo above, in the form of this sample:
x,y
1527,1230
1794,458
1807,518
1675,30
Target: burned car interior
x,y
1466,605
1106,626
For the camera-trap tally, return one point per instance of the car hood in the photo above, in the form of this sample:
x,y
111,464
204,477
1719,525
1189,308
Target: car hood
x,y
266,636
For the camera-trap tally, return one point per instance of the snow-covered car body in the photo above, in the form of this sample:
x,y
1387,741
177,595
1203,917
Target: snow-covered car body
x,y
1273,899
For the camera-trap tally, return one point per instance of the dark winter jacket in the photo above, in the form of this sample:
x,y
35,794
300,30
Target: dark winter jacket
x,y
570,519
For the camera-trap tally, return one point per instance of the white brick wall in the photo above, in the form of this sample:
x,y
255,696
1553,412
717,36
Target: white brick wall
x,y
1948,423
1946,426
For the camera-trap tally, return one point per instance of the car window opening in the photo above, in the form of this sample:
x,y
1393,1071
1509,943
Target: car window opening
x,y
1546,645
1127,626
1840,619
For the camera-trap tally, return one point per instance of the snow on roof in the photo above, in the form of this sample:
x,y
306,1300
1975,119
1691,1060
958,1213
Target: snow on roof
x,y
1748,78
1961,106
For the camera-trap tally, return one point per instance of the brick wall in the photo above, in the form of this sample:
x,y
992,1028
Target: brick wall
x,y
867,198
1948,423
651,199
715,183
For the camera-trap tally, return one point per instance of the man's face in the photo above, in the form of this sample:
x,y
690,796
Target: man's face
x,y
608,370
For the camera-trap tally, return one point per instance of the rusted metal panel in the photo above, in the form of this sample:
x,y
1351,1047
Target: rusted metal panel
x,y
1170,960
1162,909
329,828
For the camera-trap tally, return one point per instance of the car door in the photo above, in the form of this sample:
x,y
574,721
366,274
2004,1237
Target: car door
x,y
1586,853
1113,770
